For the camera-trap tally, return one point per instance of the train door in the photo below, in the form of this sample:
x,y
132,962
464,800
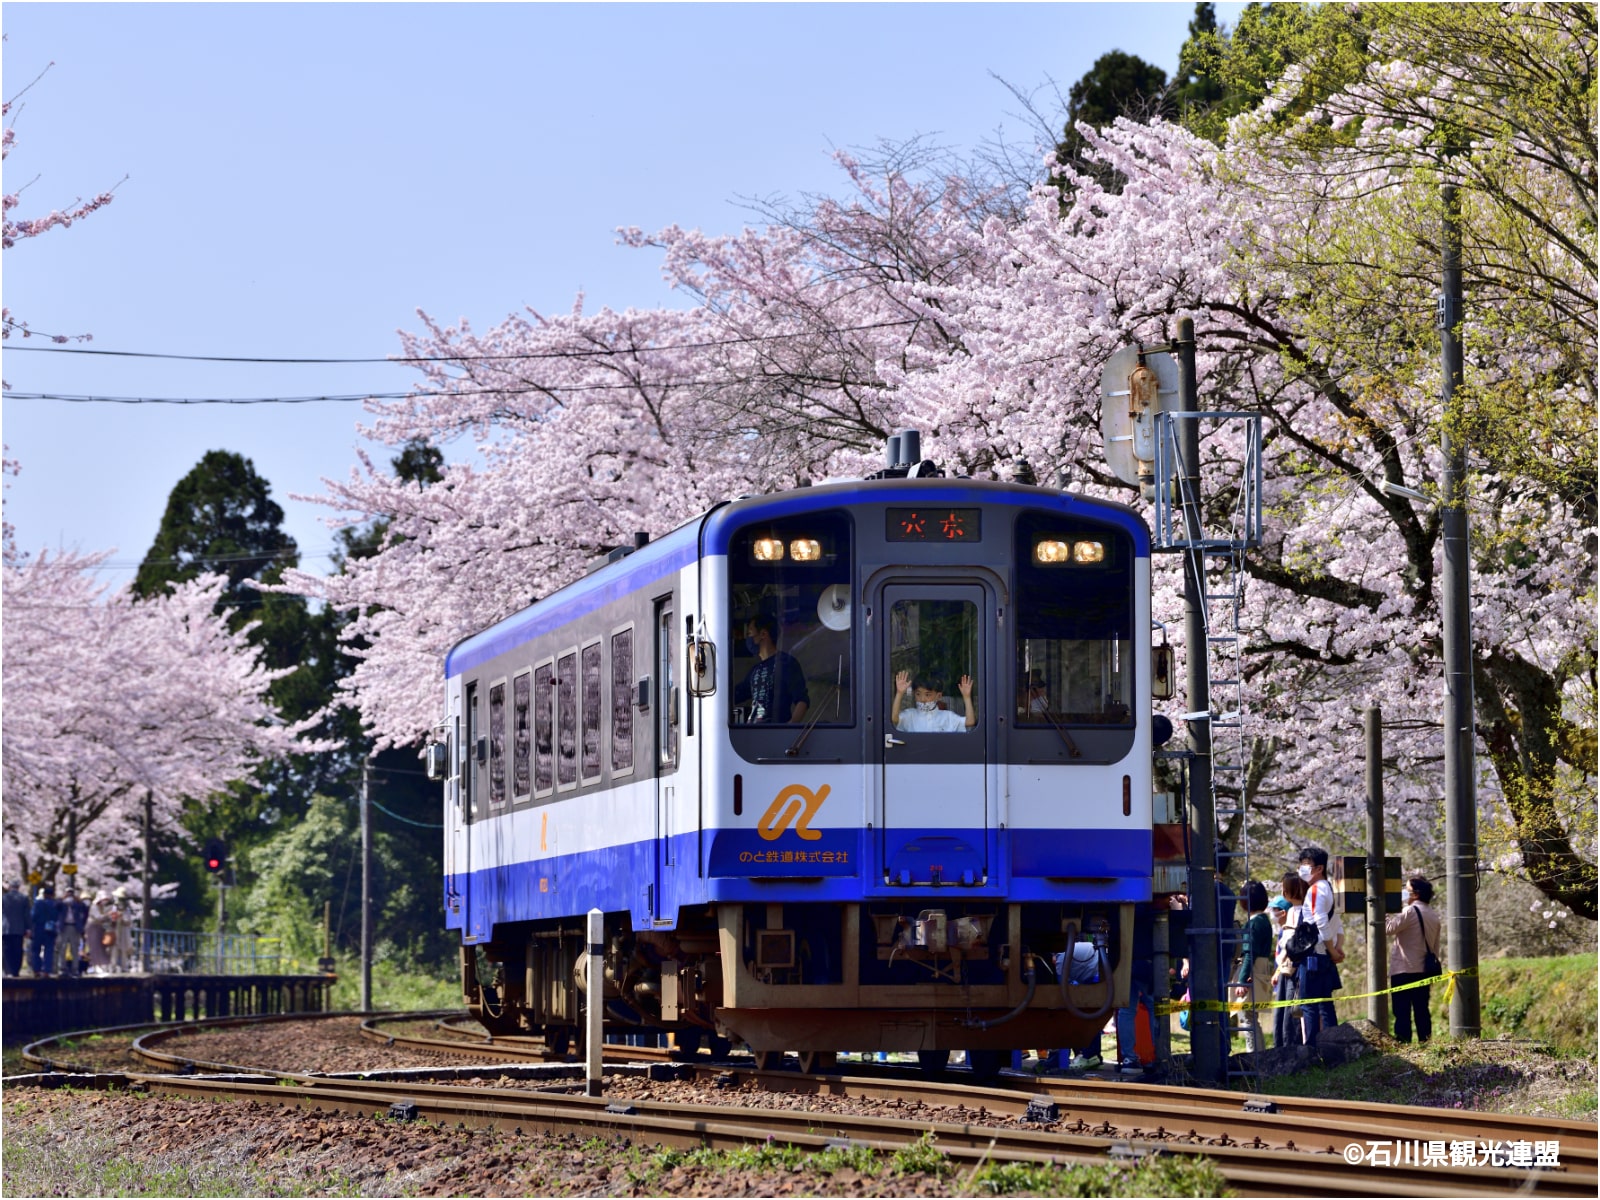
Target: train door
x,y
935,661
469,788
666,739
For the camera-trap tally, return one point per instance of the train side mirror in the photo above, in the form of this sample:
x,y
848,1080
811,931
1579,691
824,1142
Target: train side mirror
x,y
702,667
436,759
1162,668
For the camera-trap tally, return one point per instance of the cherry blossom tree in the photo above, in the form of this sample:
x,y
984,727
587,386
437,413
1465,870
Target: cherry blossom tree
x,y
110,699
18,228
925,299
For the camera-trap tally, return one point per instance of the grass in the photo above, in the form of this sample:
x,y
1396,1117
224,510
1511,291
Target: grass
x,y
396,987
1161,1175
34,1163
1551,1000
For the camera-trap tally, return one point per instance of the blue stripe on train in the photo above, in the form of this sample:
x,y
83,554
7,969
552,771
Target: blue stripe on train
x,y
1064,865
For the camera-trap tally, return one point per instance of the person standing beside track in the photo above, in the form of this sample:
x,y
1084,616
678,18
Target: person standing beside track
x,y
1286,1018
1413,931
17,914
45,915
1319,974
1255,963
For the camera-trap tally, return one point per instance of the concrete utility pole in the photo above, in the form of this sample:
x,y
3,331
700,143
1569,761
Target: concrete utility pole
x,y
144,887
1205,972
1455,602
366,887
1377,902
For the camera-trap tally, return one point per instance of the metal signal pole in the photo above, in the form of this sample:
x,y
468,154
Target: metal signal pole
x,y
1205,970
366,887
1455,602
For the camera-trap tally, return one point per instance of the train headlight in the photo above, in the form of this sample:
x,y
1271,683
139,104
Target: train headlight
x,y
768,549
805,550
1088,552
1049,551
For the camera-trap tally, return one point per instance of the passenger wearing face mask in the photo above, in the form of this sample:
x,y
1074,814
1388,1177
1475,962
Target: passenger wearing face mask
x,y
1319,974
775,689
1413,933
927,716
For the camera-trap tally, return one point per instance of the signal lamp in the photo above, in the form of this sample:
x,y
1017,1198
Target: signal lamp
x,y
1049,550
768,549
215,855
805,550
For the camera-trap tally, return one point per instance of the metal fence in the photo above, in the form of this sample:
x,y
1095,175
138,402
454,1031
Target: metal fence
x,y
170,952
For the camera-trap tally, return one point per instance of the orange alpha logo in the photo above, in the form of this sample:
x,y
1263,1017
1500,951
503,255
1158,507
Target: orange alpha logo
x,y
793,800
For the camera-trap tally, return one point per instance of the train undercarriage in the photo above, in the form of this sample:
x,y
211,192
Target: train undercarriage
x,y
821,978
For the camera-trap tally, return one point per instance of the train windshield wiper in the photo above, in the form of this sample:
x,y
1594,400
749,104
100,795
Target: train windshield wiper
x,y
837,696
1072,746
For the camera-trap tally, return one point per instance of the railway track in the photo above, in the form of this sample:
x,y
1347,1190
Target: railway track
x,y
1306,1145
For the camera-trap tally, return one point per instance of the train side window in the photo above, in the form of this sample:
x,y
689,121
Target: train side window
x,y
590,694
666,673
497,743
470,774
544,700
622,702
567,721
521,735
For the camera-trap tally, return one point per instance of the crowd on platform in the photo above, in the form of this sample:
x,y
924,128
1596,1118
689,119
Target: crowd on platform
x,y
69,935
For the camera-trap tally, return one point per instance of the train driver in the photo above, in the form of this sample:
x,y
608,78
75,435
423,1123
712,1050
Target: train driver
x,y
775,689
927,716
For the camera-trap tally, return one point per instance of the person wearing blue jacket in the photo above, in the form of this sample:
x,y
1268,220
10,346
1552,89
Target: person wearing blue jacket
x,y
46,916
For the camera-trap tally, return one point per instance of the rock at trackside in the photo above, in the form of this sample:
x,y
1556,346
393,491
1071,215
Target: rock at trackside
x,y
1350,1041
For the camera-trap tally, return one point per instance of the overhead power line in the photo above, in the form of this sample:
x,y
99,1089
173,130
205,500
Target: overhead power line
x,y
356,397
597,352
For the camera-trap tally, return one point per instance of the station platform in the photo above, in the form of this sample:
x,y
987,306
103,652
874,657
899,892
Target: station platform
x,y
34,1008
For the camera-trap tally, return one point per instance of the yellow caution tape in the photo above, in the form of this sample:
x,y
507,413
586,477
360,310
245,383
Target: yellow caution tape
x,y
1166,1008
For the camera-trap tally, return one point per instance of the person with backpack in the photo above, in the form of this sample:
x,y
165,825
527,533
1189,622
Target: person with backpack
x,y
1414,937
1319,974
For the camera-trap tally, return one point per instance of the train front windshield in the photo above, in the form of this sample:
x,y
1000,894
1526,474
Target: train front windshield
x,y
1074,640
792,662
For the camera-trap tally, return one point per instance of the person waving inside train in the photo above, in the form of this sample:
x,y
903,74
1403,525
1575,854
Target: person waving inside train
x,y
926,716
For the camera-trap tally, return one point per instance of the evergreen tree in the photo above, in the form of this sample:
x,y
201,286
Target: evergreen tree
x,y
1118,85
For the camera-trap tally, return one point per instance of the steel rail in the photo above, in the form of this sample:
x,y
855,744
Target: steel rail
x,y
1248,1169
1205,1112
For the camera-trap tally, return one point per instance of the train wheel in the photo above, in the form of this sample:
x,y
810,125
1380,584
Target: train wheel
x,y
986,1064
721,1047
558,1039
768,1060
688,1041
933,1061
818,1062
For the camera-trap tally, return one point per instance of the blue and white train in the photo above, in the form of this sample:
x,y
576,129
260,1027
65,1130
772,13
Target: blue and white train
x,y
699,739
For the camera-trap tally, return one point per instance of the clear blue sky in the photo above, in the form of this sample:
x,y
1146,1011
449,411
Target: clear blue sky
x,y
303,177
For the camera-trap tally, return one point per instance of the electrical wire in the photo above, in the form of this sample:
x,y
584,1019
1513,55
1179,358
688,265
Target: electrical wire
x,y
356,397
599,352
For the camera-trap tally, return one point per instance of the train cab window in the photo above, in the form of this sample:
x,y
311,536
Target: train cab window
x,y
567,721
521,735
544,696
1074,622
591,712
933,663
497,744
622,702
792,608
